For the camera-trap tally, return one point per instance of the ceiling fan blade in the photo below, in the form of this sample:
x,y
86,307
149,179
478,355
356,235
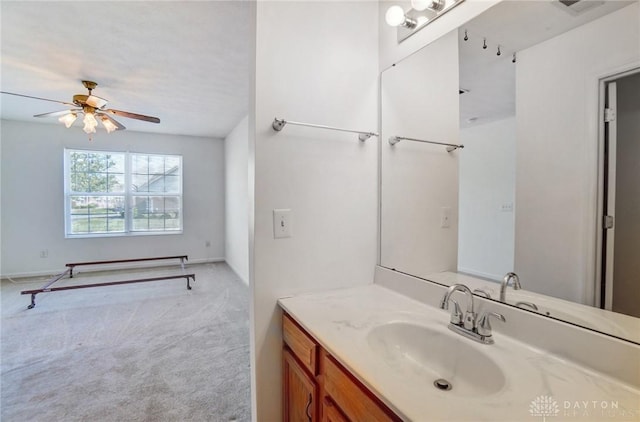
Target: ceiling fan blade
x,y
58,113
38,98
132,115
117,124
96,102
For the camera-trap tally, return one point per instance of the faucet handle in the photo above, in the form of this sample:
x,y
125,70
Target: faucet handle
x,y
529,304
456,314
484,326
482,292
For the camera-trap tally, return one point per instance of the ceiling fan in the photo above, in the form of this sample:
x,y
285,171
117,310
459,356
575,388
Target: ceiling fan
x,y
93,108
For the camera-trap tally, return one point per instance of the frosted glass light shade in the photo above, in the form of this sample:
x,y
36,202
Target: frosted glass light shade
x,y
108,124
395,16
90,123
68,119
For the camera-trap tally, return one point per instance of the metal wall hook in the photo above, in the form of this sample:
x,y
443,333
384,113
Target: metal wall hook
x,y
498,53
466,37
514,58
484,45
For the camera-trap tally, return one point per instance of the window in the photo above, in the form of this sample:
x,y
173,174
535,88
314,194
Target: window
x,y
118,193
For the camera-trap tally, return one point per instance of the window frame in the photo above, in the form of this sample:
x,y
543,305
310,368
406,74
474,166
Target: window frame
x,y
128,194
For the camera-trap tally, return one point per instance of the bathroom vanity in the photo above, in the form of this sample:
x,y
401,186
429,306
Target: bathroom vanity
x,y
370,353
318,387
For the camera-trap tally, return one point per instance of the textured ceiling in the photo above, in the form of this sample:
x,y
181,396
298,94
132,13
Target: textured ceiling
x,y
184,62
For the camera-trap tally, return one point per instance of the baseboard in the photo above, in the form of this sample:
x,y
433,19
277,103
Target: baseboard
x,y
94,268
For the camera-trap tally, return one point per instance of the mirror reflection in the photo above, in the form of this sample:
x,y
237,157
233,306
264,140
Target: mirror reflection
x,y
544,187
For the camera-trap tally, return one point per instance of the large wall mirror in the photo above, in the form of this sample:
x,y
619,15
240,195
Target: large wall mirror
x,y
548,182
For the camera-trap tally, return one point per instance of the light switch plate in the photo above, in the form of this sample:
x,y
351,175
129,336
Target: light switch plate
x,y
281,223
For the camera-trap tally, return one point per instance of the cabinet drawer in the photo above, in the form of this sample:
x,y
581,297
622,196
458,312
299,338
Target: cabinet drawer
x,y
330,412
357,403
303,346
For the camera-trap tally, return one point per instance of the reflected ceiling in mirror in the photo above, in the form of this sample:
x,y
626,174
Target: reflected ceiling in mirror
x,y
528,178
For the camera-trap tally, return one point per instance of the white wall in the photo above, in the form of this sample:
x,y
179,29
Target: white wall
x,y
33,198
316,62
418,179
556,179
236,193
391,52
487,182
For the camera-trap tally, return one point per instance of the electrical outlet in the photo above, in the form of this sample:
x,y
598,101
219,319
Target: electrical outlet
x,y
281,223
44,253
507,207
445,217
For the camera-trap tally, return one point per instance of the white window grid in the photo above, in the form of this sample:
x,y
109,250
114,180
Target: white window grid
x,y
128,195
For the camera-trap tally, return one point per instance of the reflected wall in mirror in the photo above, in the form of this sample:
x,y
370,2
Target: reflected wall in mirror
x,y
534,181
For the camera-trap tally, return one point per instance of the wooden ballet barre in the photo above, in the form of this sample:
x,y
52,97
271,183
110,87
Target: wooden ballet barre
x,y
182,258
46,288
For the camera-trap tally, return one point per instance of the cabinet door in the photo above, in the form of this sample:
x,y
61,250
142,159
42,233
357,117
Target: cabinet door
x,y
300,392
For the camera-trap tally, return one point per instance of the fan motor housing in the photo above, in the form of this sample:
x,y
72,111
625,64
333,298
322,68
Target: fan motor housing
x,y
80,99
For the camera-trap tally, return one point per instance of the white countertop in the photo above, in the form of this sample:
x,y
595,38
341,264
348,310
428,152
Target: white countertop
x,y
340,320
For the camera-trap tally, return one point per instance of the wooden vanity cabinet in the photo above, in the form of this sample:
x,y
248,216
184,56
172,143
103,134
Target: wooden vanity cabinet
x,y
317,387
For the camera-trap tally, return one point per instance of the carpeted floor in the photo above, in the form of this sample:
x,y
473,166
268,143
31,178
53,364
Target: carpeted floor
x,y
140,352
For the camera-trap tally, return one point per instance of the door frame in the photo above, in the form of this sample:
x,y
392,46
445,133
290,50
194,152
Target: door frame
x,y
600,254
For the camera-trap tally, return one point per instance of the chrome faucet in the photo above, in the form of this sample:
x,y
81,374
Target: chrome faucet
x,y
468,324
505,282
469,318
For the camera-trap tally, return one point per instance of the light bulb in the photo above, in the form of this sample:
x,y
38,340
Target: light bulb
x,y
108,124
395,16
90,123
420,5
68,119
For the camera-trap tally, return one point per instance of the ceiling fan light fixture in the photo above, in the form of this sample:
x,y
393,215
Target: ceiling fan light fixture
x,y
108,124
68,119
93,110
90,122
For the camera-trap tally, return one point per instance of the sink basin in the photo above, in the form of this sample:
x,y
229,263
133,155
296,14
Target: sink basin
x,y
425,355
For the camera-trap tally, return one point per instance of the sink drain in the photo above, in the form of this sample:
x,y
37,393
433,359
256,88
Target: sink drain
x,y
442,384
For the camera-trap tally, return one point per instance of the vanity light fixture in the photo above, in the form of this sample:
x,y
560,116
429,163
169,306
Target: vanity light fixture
x,y
421,5
421,13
